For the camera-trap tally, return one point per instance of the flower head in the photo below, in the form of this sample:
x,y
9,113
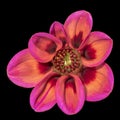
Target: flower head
x,y
65,66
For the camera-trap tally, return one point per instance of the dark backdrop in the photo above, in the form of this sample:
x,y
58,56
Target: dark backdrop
x,y
20,20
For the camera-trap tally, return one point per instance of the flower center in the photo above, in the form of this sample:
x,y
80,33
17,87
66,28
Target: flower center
x,y
67,61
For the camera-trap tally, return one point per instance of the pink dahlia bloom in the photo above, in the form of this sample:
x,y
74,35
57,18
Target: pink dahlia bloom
x,y
65,66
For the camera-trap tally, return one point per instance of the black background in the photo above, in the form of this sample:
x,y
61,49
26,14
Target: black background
x,y
20,20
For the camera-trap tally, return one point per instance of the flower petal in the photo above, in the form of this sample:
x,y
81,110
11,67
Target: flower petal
x,y
94,53
78,26
42,97
43,46
57,30
23,70
70,94
96,35
98,82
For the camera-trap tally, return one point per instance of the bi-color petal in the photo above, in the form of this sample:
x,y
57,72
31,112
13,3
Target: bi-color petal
x,y
78,26
23,70
97,49
57,29
43,46
42,97
96,35
98,82
70,94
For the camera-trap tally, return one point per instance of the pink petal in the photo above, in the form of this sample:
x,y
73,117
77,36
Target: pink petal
x,y
98,82
78,26
42,97
96,35
57,30
97,49
43,46
70,94
23,70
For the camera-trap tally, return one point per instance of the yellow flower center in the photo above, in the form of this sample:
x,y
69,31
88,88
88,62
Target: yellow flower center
x,y
67,60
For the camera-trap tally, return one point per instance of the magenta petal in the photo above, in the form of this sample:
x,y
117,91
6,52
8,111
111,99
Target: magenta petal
x,y
96,35
43,46
25,71
94,52
98,82
78,26
70,94
57,29
42,97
